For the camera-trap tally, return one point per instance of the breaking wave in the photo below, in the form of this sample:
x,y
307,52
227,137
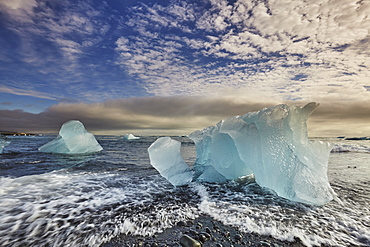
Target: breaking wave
x,y
56,209
341,148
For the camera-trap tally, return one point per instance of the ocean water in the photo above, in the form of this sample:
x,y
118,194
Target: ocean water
x,y
87,200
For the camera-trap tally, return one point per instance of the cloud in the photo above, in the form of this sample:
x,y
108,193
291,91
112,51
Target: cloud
x,y
19,4
68,28
283,47
146,115
182,115
54,47
284,50
25,92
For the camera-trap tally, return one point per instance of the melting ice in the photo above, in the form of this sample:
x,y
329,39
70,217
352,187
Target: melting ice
x,y
73,138
165,156
3,143
272,144
130,137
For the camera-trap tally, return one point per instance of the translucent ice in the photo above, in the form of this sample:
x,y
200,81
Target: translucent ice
x,y
130,137
165,156
273,145
3,143
73,138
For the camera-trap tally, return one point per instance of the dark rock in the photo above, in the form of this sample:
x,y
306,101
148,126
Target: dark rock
x,y
216,229
209,231
193,233
206,235
187,241
264,244
181,223
238,237
202,238
190,222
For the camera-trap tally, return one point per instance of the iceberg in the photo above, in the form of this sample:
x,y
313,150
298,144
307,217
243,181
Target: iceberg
x,y
3,143
165,156
130,137
73,138
273,146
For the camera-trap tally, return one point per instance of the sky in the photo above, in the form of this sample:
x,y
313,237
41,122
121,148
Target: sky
x,y
172,67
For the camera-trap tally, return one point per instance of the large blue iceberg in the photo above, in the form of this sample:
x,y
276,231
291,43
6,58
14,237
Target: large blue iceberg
x,y
272,144
73,138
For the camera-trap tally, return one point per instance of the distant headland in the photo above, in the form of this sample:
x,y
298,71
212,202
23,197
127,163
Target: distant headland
x,y
12,133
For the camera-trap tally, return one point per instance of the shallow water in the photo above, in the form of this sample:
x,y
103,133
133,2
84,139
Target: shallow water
x,y
86,200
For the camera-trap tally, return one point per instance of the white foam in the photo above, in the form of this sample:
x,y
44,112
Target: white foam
x,y
341,148
285,221
69,209
87,209
3,144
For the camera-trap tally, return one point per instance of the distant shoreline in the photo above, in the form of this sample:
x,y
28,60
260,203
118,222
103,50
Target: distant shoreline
x,y
10,133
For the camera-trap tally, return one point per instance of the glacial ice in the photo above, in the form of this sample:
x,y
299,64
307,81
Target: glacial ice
x,y
272,144
3,143
73,138
130,137
165,156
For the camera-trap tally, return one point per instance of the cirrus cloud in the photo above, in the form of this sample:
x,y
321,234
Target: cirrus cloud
x,y
282,46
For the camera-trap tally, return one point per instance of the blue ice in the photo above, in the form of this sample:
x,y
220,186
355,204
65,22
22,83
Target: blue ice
x,y
272,144
73,138
130,137
3,143
165,156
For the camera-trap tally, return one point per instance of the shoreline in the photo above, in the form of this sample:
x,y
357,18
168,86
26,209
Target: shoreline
x,y
206,231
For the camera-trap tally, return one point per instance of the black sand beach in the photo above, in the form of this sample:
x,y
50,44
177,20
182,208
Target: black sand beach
x,y
206,232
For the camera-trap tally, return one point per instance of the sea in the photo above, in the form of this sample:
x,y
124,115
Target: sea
x,y
87,200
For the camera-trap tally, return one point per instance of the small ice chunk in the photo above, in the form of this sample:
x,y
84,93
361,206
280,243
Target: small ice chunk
x,y
130,137
3,143
73,138
165,156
